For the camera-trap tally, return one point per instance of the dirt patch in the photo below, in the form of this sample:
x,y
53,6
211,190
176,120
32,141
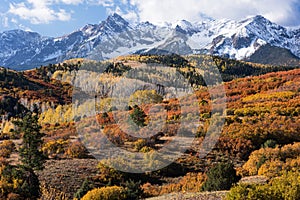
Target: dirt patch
x,y
254,180
67,175
192,196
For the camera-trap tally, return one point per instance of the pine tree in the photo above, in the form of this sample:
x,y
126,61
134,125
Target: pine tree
x,y
133,190
138,116
220,177
31,156
85,187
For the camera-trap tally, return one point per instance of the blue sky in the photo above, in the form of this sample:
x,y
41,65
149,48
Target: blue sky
x,y
59,17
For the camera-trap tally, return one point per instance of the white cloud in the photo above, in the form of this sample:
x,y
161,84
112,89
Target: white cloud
x,y
62,15
105,3
25,28
283,12
5,21
127,14
130,16
14,21
70,2
164,10
279,11
122,7
41,11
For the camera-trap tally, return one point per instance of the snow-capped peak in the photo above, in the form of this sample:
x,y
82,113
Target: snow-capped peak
x,y
115,36
115,23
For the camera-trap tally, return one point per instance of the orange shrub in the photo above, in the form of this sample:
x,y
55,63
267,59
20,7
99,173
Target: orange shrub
x,y
271,162
76,150
191,182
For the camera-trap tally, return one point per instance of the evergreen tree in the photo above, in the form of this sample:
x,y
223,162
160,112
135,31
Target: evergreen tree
x,y
31,156
138,116
133,190
220,177
31,185
85,187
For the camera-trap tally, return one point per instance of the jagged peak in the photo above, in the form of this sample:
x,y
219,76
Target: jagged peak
x,y
179,29
258,19
88,28
146,23
116,18
184,24
262,22
115,23
236,39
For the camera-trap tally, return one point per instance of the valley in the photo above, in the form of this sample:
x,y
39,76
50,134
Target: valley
x,y
82,105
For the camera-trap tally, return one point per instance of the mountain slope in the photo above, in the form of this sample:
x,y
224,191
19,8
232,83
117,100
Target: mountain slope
x,y
115,36
268,54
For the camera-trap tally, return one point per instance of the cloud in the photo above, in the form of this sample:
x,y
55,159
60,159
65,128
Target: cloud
x,y
25,28
156,11
5,21
41,11
14,21
130,16
122,7
285,12
70,2
105,3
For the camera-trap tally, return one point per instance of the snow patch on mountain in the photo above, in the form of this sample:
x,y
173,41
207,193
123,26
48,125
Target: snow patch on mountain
x,y
115,36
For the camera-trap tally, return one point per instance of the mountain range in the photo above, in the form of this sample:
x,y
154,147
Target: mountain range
x,y
253,39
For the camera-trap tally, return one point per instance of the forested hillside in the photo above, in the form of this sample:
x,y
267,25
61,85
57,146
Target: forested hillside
x,y
260,135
